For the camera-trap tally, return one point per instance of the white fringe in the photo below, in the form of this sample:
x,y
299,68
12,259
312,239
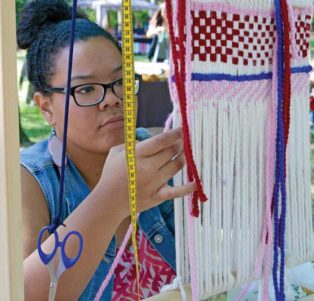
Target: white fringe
x,y
228,139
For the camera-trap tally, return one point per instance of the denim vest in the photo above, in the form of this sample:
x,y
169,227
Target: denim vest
x,y
156,223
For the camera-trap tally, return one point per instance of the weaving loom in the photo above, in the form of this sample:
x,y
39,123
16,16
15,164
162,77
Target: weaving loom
x,y
247,117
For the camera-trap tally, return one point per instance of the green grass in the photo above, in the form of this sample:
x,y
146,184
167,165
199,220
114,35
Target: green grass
x,y
141,58
33,124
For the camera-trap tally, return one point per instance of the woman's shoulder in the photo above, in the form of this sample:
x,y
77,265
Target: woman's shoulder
x,y
36,156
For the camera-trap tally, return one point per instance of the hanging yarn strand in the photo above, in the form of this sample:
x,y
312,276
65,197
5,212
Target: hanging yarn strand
x,y
49,259
183,101
270,178
191,229
244,83
286,124
287,70
57,220
179,75
280,189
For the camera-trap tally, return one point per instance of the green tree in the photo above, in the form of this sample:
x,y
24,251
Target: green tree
x,y
18,6
89,13
24,140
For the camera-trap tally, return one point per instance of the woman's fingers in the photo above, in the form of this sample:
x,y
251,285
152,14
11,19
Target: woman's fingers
x,y
171,168
158,143
160,159
167,192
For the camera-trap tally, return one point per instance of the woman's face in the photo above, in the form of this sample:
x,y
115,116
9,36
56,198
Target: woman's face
x,y
98,128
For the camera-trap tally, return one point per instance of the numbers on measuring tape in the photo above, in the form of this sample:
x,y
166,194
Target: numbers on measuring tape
x,y
129,117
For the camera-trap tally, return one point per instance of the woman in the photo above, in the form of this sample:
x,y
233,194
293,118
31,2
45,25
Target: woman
x,y
159,31
96,201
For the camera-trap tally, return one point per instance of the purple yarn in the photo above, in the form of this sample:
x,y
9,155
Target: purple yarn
x,y
279,224
57,220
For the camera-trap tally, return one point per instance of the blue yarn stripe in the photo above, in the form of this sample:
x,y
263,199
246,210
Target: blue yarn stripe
x,y
244,78
279,226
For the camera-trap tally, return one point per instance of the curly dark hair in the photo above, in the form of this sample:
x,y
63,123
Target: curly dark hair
x,y
44,29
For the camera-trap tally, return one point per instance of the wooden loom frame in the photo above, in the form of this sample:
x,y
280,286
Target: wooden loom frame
x,y
11,257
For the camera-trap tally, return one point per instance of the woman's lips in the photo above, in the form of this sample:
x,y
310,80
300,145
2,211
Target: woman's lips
x,y
113,123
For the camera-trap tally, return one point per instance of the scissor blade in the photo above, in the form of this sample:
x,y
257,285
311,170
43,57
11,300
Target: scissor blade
x,y
52,291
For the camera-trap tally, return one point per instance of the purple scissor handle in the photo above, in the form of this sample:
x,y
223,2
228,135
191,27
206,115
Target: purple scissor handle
x,y
65,262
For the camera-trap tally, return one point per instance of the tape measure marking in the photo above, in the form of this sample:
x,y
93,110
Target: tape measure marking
x,y
129,119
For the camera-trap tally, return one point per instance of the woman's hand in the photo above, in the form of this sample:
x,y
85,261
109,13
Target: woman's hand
x,y
158,159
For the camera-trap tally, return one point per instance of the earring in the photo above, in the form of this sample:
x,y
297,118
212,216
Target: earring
x,y
55,149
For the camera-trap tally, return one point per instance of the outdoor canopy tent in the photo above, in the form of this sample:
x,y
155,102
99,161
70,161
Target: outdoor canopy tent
x,y
102,6
116,4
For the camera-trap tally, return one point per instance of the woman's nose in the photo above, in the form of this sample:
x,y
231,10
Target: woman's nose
x,y
110,100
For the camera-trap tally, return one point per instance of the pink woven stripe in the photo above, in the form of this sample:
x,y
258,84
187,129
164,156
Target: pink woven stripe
x,y
300,83
215,6
254,91
232,9
303,10
217,90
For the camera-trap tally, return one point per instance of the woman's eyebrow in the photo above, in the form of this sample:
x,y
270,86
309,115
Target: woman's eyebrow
x,y
82,77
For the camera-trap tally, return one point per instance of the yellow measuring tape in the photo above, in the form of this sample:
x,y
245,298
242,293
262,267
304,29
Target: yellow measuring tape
x,y
130,119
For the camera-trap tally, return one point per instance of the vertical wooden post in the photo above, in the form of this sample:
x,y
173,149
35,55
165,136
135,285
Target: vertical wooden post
x,y
11,256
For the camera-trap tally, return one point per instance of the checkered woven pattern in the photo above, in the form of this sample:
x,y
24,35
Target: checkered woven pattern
x,y
303,27
240,39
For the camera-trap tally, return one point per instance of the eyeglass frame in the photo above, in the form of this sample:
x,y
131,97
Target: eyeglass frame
x,y
105,87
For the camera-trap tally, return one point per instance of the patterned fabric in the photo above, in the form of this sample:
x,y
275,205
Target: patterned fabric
x,y
154,272
241,39
302,35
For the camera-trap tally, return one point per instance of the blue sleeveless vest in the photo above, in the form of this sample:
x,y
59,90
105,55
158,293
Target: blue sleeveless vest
x,y
157,223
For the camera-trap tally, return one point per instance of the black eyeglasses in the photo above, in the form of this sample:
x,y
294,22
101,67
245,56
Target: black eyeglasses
x,y
91,94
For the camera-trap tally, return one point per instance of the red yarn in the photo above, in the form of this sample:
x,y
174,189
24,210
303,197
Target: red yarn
x,y
179,75
287,73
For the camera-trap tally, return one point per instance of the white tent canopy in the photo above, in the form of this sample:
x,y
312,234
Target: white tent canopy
x,y
102,6
116,4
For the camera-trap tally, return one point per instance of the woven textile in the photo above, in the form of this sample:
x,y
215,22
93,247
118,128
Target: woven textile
x,y
231,85
154,272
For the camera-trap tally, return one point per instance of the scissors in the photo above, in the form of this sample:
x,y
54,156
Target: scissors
x,y
65,262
